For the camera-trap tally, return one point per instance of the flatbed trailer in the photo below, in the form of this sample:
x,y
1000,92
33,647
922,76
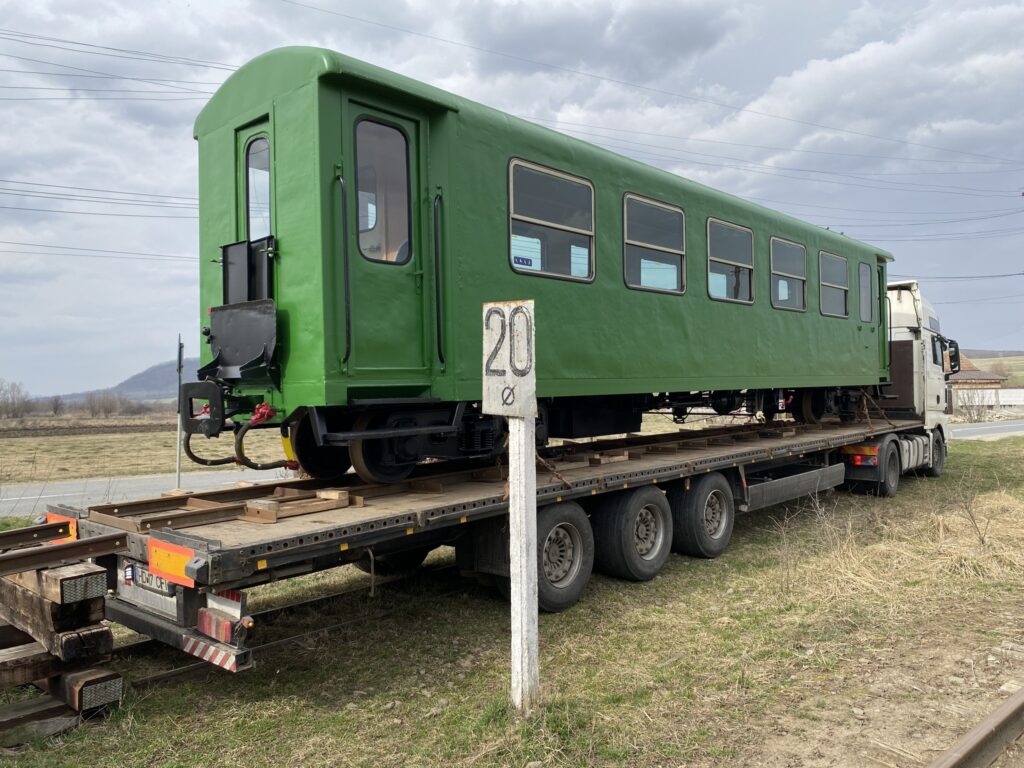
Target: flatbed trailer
x,y
186,560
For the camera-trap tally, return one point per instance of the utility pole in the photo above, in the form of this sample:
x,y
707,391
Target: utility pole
x,y
177,442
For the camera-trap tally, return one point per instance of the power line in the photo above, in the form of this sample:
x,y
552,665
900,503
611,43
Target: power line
x,y
97,213
873,210
16,37
174,59
855,175
95,256
160,83
96,98
870,223
87,90
981,299
108,77
94,199
958,278
764,146
97,250
584,73
95,189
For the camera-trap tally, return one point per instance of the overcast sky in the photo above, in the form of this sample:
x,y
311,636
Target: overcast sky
x,y
898,123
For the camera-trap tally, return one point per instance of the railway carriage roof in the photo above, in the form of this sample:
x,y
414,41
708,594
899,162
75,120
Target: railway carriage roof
x,y
282,70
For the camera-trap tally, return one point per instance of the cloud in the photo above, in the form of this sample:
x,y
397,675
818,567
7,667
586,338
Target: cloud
x,y
946,74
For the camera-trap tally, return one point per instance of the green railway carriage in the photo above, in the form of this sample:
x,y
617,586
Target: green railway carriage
x,y
353,221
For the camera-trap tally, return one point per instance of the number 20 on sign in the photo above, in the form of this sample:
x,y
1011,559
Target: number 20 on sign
x,y
509,378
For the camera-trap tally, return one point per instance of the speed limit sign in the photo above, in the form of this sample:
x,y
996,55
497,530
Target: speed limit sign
x,y
509,376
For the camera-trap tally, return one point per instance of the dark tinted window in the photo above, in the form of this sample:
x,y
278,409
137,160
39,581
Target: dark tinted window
x,y
653,250
257,188
551,198
730,262
835,283
382,179
551,224
789,273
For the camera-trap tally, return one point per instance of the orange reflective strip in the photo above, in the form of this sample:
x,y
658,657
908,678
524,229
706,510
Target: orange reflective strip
x,y
72,524
169,560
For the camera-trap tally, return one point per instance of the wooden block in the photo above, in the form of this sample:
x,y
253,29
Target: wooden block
x,y
270,511
636,453
701,442
21,664
356,501
65,584
604,458
338,494
665,448
88,689
177,492
426,485
33,719
52,624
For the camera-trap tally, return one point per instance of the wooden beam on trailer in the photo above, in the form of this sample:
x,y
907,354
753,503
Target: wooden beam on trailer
x,y
64,584
68,631
36,718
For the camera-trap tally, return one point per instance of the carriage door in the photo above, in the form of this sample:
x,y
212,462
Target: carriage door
x,y
388,258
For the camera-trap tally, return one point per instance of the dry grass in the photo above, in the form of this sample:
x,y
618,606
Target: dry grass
x,y
65,457
829,634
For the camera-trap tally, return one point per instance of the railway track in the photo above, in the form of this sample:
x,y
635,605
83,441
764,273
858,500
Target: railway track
x,y
988,740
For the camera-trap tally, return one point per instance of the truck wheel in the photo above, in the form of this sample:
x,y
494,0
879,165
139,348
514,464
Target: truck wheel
x,y
565,555
633,534
938,456
395,563
702,516
889,467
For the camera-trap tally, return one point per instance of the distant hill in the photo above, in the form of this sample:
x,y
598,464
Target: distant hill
x,y
158,382
989,353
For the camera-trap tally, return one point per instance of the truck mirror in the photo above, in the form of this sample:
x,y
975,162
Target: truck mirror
x,y
954,357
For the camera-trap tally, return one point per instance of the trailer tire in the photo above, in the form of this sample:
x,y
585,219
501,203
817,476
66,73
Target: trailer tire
x,y
395,563
565,555
632,534
938,456
889,471
702,516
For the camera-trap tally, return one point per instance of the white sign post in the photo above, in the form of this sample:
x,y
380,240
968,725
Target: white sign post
x,y
510,389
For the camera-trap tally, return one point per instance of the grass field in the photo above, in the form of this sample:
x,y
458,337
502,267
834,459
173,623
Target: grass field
x,y
1014,366
852,632
111,454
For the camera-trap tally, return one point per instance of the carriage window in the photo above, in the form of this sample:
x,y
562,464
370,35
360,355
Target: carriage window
x,y
866,294
552,223
730,262
382,180
835,285
789,275
257,188
654,246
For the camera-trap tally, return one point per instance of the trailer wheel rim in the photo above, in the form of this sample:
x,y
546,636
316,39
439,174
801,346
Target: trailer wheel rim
x,y
648,532
714,514
562,549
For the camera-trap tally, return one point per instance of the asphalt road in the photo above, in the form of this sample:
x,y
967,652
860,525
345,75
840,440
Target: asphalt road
x,y
30,499
988,431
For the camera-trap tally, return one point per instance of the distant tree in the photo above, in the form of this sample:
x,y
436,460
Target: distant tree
x,y
1000,368
92,403
56,405
14,400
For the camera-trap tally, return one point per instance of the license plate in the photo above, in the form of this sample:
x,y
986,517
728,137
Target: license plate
x,y
147,580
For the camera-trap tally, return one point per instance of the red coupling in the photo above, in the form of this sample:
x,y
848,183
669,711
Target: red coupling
x,y
293,465
261,413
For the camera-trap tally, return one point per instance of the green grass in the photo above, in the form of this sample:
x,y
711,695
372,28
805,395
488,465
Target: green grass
x,y
9,523
701,666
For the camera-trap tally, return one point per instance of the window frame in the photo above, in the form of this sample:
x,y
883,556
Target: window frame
x,y
369,117
592,266
626,197
822,283
261,136
750,266
774,271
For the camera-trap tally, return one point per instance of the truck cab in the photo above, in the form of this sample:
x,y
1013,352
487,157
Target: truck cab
x,y
918,354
